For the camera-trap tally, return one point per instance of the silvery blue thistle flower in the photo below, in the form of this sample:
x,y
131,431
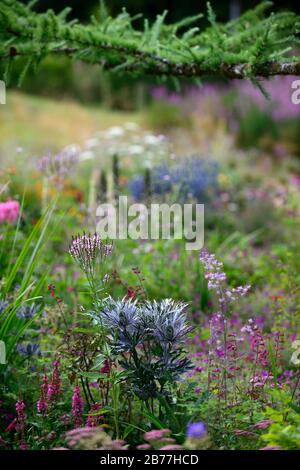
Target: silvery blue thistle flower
x,y
121,318
169,322
3,305
26,312
29,349
153,334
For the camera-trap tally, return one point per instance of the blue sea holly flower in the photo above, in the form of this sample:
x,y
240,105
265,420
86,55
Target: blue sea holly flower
x,y
137,187
3,305
29,349
27,311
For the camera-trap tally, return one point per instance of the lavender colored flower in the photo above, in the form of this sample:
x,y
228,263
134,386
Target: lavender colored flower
x,y
59,166
280,105
196,430
213,271
216,278
88,250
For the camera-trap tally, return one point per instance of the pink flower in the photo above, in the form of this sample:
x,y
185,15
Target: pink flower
x,y
242,432
77,407
271,448
9,211
156,434
265,423
65,419
94,418
106,367
143,447
11,425
42,403
20,424
42,406
54,388
20,407
171,447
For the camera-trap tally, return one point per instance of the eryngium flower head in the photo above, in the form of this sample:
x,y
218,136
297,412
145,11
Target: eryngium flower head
x,y
168,320
131,323
3,305
88,250
26,312
151,334
122,318
29,349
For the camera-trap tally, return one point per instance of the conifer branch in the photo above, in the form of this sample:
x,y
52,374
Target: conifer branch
x,y
254,45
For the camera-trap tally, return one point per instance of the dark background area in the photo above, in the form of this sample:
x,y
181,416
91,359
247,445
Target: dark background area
x,y
150,8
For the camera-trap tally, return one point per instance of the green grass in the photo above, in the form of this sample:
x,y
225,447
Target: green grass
x,y
38,123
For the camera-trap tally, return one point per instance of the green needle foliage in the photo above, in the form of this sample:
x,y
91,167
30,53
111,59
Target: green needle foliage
x,y
254,45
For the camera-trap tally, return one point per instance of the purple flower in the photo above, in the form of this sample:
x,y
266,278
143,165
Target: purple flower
x,y
54,388
77,407
88,250
216,279
21,423
196,430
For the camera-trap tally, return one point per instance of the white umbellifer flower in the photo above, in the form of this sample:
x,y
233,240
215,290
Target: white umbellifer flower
x,y
87,155
135,149
295,359
151,139
115,131
132,126
72,149
91,143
